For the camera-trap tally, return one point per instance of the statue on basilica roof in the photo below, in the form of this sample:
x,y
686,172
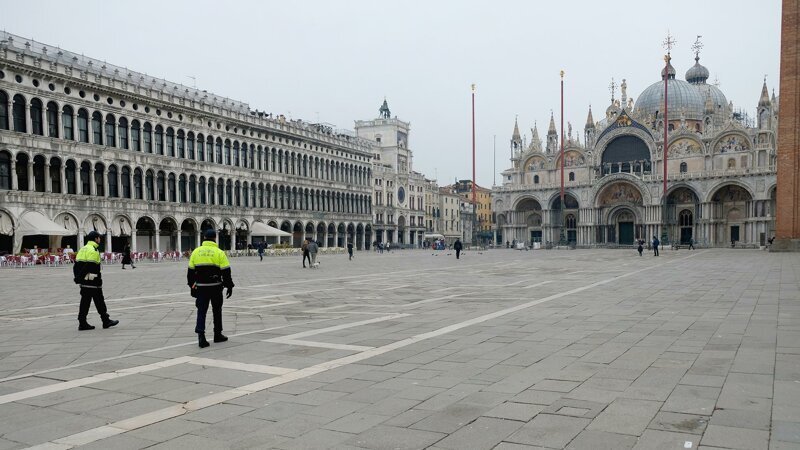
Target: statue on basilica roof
x,y
384,112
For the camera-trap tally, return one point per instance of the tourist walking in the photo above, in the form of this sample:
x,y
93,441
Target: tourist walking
x,y
641,247
261,251
86,272
304,249
312,252
457,247
656,243
691,244
350,249
209,272
126,256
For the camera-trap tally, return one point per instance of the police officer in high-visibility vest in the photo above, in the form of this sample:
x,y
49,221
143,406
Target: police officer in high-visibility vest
x,y
86,272
209,272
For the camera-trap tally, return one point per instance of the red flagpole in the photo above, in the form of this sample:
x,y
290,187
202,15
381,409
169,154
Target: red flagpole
x,y
562,140
666,125
474,204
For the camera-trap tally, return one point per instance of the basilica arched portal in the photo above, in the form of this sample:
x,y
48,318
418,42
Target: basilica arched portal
x,y
620,208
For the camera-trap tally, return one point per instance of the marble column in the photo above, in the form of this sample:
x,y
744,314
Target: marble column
x,y
31,181
48,182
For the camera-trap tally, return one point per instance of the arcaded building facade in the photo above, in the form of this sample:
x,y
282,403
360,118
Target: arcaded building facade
x,y
85,146
721,173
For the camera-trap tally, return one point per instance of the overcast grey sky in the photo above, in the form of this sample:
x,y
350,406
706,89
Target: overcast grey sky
x,y
335,61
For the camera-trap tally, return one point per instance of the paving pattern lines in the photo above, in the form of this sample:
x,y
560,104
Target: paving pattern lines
x,y
123,426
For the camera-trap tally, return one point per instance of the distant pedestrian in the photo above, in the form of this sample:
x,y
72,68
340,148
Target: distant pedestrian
x,y
86,273
304,249
380,248
641,247
126,257
350,249
656,243
457,247
261,250
312,252
691,244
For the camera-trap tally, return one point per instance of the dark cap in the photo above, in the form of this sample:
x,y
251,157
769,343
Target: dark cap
x,y
210,234
92,235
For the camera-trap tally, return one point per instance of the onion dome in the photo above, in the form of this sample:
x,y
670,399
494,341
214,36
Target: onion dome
x,y
697,74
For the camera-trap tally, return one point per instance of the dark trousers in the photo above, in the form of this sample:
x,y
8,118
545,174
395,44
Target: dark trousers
x,y
306,256
87,295
655,250
458,254
261,255
350,252
204,297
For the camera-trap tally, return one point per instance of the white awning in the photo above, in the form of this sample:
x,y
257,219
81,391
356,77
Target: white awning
x,y
433,236
6,224
33,222
262,229
120,227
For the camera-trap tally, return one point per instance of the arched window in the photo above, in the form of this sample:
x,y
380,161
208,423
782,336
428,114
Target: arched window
x,y
190,145
147,138
671,127
182,189
55,175
83,125
235,152
731,163
149,185
52,119
159,140
228,152
210,149
218,150
201,149
170,142
180,144
85,181
37,127
536,179
123,133
3,111
572,176
238,194
99,182
18,111
136,143
684,167
193,189
221,192
161,186
111,131
202,189
125,181
69,172
113,186
66,123
246,195
97,128
171,188
211,191
5,170
685,218
228,193
570,220
138,185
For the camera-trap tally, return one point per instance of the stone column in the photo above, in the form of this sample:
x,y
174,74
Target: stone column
x,y
108,240
80,238
63,170
180,238
14,181
92,187
28,118
133,240
48,182
787,228
31,181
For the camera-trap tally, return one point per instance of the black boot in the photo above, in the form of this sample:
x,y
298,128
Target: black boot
x,y
201,340
108,323
83,326
219,337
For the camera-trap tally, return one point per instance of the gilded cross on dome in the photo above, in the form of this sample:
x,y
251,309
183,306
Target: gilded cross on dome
x,y
697,46
669,42
612,87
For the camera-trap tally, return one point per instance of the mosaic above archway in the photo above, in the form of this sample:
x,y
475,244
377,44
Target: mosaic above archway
x,y
620,192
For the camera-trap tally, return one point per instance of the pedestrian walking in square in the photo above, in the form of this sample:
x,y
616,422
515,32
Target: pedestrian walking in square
x,y
350,249
656,243
457,247
641,247
304,249
126,257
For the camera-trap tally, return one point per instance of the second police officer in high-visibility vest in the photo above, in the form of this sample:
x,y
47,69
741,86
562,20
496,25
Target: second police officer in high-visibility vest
x,y
86,273
209,272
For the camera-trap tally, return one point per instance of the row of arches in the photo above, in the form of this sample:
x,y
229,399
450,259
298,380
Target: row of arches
x,y
148,233
136,183
94,127
617,215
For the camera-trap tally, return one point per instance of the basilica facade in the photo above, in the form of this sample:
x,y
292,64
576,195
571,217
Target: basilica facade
x,y
88,146
721,173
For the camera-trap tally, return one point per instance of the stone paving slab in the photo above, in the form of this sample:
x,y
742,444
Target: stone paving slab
x,y
584,349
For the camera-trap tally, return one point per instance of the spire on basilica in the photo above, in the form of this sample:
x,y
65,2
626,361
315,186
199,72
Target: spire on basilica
x,y
536,141
516,136
516,139
764,100
552,128
589,120
552,136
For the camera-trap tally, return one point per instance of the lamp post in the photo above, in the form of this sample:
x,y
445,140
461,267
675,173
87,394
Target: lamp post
x,y
562,239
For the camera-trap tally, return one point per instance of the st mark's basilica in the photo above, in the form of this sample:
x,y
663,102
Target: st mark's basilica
x,y
721,179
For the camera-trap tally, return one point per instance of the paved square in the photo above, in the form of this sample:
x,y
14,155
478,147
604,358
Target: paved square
x,y
501,349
